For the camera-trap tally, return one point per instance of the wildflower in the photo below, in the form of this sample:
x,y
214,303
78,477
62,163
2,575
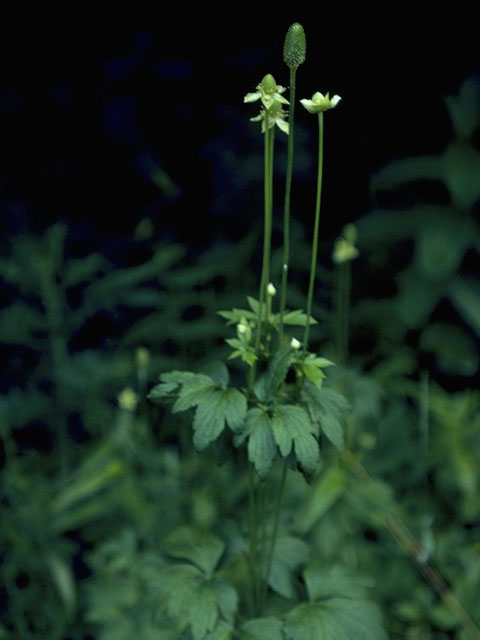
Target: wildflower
x,y
320,102
344,249
295,344
268,91
276,116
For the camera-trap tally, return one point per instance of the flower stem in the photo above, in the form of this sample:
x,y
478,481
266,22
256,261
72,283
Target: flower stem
x,y
343,289
315,231
267,238
286,211
276,522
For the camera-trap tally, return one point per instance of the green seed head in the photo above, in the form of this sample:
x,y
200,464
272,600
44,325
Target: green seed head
x,y
295,46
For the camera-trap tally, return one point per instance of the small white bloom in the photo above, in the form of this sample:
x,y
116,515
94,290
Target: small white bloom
x,y
275,115
268,91
295,344
271,290
320,102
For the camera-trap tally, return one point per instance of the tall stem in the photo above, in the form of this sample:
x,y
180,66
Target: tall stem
x,y
267,237
286,211
276,522
313,264
343,289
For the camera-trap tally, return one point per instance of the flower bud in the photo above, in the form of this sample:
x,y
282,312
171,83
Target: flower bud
x,y
295,46
295,344
271,290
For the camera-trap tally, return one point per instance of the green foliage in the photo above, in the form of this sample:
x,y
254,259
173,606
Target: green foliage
x,y
347,494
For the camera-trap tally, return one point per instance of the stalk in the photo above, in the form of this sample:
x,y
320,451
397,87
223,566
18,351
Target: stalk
x,y
313,264
286,211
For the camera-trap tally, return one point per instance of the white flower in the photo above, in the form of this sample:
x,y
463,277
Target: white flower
x,y
320,102
295,344
276,116
344,248
268,91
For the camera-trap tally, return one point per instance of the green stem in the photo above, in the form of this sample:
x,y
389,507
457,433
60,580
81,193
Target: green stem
x,y
253,570
276,522
344,278
267,238
315,231
286,211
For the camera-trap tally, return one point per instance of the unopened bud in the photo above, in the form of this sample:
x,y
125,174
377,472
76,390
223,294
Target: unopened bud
x,y
295,344
295,46
271,290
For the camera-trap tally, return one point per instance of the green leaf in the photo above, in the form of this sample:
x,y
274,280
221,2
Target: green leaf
x,y
213,410
227,599
254,305
267,385
234,316
336,611
289,554
262,629
298,318
201,548
215,404
190,599
261,444
327,407
292,425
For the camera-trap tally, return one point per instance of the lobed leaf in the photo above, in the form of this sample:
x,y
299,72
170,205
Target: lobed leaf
x,y
292,425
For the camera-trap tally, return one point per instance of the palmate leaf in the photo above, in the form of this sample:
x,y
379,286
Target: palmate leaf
x,y
262,449
327,408
201,548
337,610
196,601
216,404
292,426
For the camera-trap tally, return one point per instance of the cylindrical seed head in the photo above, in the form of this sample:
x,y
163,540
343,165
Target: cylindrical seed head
x,y
295,46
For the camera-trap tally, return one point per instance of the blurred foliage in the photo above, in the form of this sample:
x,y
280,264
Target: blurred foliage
x,y
100,490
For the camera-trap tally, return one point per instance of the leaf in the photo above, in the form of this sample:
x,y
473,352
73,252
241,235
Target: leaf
x,y
215,404
201,548
254,305
289,554
336,611
189,598
213,410
227,599
292,425
234,316
298,318
327,407
465,295
267,385
261,444
262,629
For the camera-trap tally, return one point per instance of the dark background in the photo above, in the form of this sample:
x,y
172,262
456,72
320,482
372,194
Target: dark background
x,y
93,107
